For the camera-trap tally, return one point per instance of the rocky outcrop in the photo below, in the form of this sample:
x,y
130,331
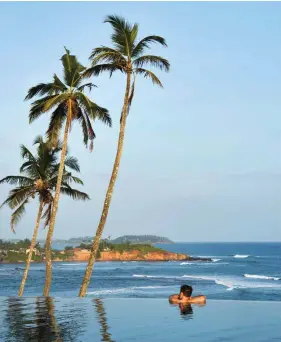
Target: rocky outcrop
x,y
134,255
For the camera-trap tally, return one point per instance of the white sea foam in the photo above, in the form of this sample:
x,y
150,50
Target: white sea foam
x,y
205,263
228,284
155,277
234,283
256,276
220,282
124,290
240,256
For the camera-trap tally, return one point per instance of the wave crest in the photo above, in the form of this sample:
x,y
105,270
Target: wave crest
x,y
241,256
256,276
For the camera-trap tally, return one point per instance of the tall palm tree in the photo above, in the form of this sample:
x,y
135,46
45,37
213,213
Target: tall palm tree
x,y
68,102
38,178
126,55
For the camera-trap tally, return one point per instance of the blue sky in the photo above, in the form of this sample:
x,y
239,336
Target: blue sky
x,y
202,157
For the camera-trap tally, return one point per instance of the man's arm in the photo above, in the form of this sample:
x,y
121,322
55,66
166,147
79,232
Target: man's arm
x,y
174,299
198,300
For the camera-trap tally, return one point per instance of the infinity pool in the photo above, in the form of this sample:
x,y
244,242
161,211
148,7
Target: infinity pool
x,y
66,319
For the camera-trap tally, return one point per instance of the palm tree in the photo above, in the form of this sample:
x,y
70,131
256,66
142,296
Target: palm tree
x,y
68,102
127,57
38,178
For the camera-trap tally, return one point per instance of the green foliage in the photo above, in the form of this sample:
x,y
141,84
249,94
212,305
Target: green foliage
x,y
38,178
59,96
121,247
127,54
7,245
148,239
143,248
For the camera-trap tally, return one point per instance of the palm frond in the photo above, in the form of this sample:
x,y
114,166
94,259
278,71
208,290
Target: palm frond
x,y
68,178
42,89
59,84
38,140
17,196
86,85
145,42
124,34
107,54
93,110
83,123
37,107
25,153
154,61
30,169
74,194
109,57
77,180
56,122
72,163
149,74
20,180
72,69
96,70
17,214
57,100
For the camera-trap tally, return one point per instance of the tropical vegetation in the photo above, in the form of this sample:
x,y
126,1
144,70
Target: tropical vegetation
x,y
67,102
127,55
66,99
37,179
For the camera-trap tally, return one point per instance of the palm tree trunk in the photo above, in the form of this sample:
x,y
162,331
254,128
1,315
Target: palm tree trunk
x,y
33,241
106,205
48,247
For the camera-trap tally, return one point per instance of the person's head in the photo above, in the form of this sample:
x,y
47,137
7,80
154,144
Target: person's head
x,y
185,291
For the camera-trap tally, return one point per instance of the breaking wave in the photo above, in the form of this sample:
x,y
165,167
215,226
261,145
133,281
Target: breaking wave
x,y
240,256
124,290
256,276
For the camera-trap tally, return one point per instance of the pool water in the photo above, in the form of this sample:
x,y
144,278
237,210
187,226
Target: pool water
x,y
92,319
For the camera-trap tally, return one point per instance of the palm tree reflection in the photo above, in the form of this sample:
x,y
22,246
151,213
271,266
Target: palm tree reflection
x,y
102,319
27,320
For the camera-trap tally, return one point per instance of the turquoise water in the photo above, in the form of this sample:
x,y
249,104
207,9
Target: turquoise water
x,y
124,320
239,271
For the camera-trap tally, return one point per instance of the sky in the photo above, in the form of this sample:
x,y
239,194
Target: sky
x,y
202,157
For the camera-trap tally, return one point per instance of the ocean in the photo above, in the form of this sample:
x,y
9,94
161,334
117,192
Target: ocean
x,y
238,271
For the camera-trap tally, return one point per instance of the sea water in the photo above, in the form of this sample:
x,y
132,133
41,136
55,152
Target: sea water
x,y
238,271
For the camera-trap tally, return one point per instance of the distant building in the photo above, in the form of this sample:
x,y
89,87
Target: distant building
x,y
35,251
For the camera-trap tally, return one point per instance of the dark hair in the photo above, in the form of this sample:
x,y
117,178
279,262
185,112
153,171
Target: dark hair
x,y
186,290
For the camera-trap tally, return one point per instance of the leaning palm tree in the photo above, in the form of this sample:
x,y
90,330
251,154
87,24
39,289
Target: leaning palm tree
x,y
126,56
67,102
38,178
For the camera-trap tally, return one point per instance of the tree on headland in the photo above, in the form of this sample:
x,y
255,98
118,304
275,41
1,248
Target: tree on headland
x,y
38,178
67,101
127,56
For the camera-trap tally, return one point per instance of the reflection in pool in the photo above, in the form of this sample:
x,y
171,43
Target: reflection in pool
x,y
115,320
